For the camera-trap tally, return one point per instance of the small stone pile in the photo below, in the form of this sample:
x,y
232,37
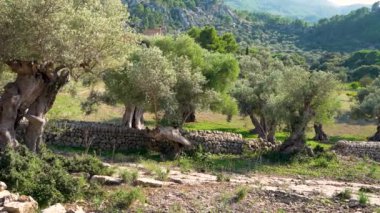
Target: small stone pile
x,y
15,203
359,149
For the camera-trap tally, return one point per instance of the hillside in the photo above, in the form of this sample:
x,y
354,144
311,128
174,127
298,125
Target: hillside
x,y
310,11
357,30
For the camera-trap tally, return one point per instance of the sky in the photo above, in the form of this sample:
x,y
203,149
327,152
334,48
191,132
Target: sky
x,y
349,2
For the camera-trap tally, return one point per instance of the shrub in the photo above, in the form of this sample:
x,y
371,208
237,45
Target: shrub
x,y
122,199
184,164
363,198
345,195
241,193
355,85
162,174
41,176
87,163
221,177
129,177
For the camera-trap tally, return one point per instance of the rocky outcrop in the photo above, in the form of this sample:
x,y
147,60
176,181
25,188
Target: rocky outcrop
x,y
14,203
59,208
359,149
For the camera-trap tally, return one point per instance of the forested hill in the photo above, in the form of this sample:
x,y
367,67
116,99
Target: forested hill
x,y
359,29
311,10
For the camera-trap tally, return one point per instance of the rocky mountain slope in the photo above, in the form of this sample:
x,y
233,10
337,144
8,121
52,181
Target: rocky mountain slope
x,y
357,30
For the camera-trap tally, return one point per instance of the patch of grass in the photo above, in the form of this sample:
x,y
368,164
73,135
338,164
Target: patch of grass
x,y
345,195
184,164
129,177
222,177
157,170
123,199
241,193
363,199
176,208
162,174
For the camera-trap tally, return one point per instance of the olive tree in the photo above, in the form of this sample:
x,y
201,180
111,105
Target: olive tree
x,y
190,90
220,70
369,105
146,82
257,91
305,97
45,41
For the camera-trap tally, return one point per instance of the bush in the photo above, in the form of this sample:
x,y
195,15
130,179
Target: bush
x,y
88,164
241,194
221,177
122,200
129,177
363,199
41,176
345,195
162,174
355,85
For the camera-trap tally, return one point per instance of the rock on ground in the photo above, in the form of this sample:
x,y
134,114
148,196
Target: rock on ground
x,y
106,180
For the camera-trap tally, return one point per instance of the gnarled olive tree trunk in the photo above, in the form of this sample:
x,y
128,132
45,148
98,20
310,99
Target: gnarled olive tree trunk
x,y
133,117
376,136
31,95
297,140
265,130
320,134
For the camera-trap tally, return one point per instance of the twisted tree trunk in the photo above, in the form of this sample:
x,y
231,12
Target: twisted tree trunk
x,y
376,136
297,140
320,134
31,95
133,117
188,117
264,130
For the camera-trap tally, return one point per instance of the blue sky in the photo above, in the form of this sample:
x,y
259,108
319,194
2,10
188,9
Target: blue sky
x,y
348,2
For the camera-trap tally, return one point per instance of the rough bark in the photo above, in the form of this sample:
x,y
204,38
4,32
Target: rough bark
x,y
297,141
25,97
259,130
189,117
320,134
37,111
376,136
264,130
133,117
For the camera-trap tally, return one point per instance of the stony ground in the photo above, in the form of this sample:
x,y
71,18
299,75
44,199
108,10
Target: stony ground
x,y
198,192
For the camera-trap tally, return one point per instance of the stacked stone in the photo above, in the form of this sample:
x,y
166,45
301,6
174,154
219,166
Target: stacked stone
x,y
217,142
359,149
110,136
96,135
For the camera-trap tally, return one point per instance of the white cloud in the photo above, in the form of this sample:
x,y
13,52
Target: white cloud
x,y
349,2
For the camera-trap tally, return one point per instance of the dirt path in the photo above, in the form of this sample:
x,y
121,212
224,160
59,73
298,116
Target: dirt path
x,y
272,193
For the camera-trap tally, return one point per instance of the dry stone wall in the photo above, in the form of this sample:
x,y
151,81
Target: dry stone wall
x,y
359,149
108,137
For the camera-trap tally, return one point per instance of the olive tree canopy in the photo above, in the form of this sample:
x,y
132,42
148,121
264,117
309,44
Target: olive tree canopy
x,y
42,41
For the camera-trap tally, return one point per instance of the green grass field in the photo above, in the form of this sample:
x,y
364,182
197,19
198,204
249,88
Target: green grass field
x,y
325,166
